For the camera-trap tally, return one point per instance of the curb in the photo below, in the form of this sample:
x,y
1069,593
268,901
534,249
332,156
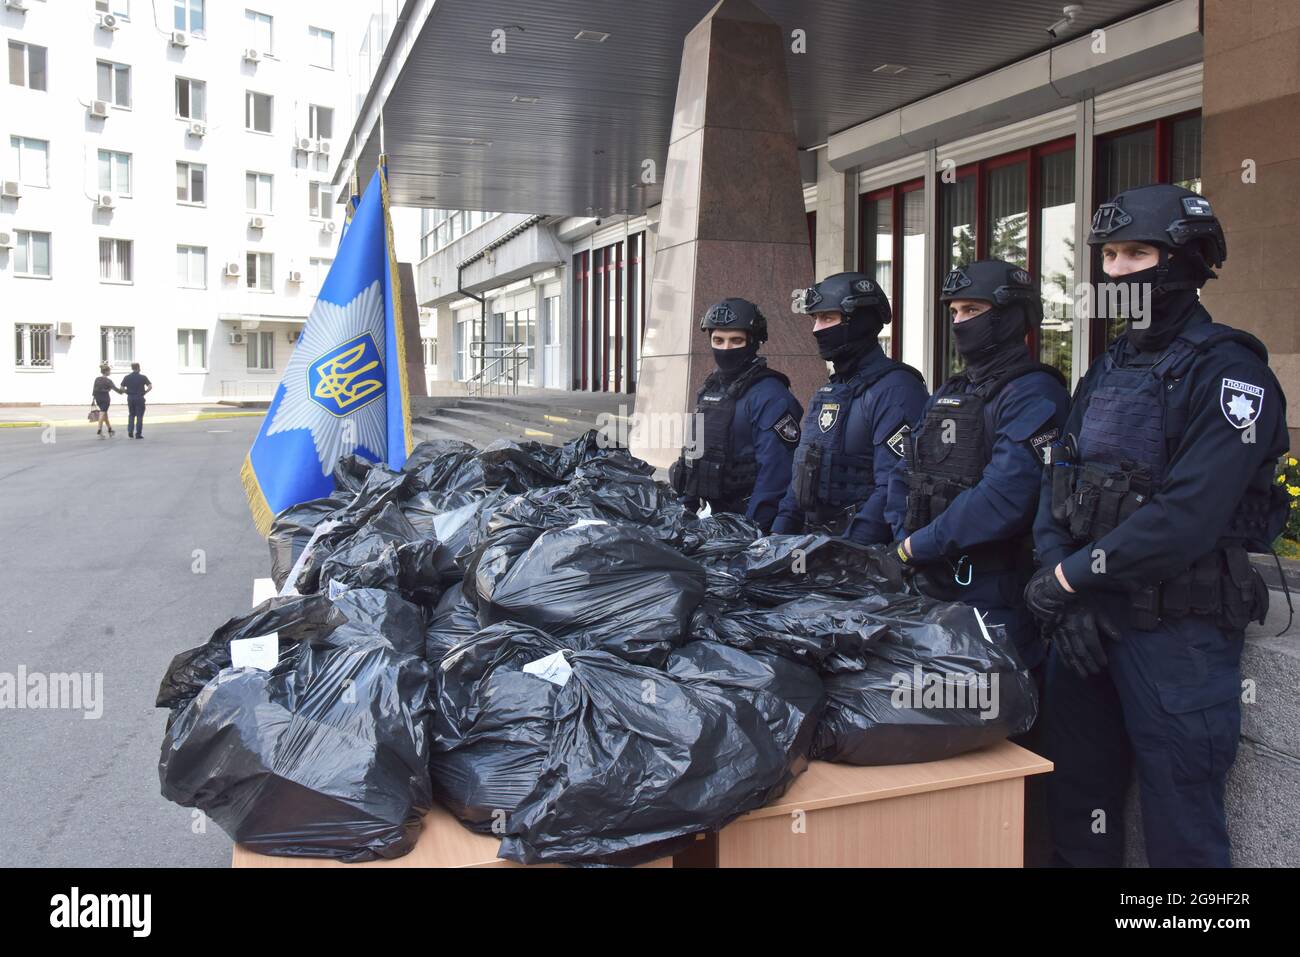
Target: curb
x,y
153,420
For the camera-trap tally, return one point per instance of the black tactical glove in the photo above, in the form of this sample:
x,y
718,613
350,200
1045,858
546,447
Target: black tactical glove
x,y
1077,638
896,567
1046,598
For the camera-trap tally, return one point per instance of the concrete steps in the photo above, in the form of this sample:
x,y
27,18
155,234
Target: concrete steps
x,y
553,418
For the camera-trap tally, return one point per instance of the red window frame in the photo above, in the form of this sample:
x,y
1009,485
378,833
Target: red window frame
x,y
895,194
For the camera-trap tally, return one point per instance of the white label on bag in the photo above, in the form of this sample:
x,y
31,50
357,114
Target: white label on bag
x,y
554,668
261,652
584,522
983,629
336,588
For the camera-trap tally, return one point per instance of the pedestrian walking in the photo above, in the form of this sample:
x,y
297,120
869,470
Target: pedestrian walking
x,y
101,393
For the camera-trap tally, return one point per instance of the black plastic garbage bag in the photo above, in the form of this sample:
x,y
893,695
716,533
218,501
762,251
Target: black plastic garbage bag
x,y
324,756
781,568
375,613
433,450
492,723
293,619
426,510
452,621
639,758
344,548
719,534
613,585
292,530
934,684
418,570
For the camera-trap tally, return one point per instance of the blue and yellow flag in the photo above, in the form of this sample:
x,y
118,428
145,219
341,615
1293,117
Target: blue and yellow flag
x,y
344,390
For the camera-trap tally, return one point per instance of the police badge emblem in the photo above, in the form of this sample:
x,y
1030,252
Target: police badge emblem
x,y
1240,402
828,415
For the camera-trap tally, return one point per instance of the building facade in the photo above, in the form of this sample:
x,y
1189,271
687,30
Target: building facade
x,y
166,190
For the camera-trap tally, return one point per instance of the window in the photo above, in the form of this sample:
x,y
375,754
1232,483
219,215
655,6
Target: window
x,y
192,349
30,160
188,15
1167,150
119,8
257,272
190,98
441,227
113,83
115,260
320,122
33,345
258,29
257,192
261,350
430,351
893,252
320,47
318,200
26,65
115,172
117,346
32,254
191,183
1056,252
192,267
320,268
257,112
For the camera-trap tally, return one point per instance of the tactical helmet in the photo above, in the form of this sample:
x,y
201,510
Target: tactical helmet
x,y
736,314
1166,216
996,281
853,294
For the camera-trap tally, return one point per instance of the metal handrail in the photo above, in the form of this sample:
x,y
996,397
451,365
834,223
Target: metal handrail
x,y
508,377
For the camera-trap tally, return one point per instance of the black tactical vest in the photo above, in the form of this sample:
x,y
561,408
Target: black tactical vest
x,y
829,481
718,475
1130,427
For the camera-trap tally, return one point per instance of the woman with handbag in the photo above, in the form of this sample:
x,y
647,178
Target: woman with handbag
x,y
100,393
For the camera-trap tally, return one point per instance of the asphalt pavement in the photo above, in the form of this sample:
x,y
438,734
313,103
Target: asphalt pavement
x,y
119,553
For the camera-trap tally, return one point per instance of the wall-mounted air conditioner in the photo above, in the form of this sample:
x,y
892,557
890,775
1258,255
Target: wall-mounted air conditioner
x,y
232,269
99,109
235,338
328,226
6,241
180,38
64,330
252,56
107,21
10,189
198,129
323,146
304,144
19,5
105,201
257,222
295,276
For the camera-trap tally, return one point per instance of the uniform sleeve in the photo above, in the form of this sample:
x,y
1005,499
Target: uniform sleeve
x,y
892,408
1002,504
896,497
776,411
1207,475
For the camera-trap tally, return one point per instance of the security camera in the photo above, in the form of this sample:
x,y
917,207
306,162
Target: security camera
x,y
1071,12
597,220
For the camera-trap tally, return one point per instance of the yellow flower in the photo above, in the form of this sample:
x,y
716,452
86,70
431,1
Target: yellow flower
x,y
1291,461
1281,479
1294,490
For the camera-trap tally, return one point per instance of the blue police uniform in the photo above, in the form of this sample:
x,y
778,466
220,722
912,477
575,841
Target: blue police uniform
x,y
1150,518
852,439
968,499
751,429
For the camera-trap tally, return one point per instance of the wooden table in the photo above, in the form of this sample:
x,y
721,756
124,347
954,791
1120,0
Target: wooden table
x,y
966,811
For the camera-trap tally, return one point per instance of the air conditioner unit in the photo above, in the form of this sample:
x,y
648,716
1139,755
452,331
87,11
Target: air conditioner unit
x,y
235,338
232,269
107,21
64,330
328,226
257,222
6,241
180,38
10,189
304,144
105,201
323,146
19,5
99,108
251,55
198,129
295,276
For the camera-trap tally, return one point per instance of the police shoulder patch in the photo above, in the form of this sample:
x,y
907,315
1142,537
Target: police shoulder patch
x,y
895,441
787,427
1240,402
1040,444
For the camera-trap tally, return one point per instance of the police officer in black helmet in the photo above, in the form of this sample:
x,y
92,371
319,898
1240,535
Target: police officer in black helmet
x,y
853,432
750,422
962,502
1163,483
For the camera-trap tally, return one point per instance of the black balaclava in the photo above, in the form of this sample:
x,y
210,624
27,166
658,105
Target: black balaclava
x,y
1170,309
992,340
848,342
732,362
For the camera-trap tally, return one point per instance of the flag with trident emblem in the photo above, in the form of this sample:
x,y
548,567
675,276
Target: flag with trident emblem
x,y
344,389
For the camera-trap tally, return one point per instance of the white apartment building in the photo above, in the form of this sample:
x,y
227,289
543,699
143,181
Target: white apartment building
x,y
165,167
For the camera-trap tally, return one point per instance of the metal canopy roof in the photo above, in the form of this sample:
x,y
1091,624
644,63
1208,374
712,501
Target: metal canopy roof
x,y
457,136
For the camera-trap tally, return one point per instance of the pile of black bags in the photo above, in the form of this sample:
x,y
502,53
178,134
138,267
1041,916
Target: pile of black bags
x,y
543,640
